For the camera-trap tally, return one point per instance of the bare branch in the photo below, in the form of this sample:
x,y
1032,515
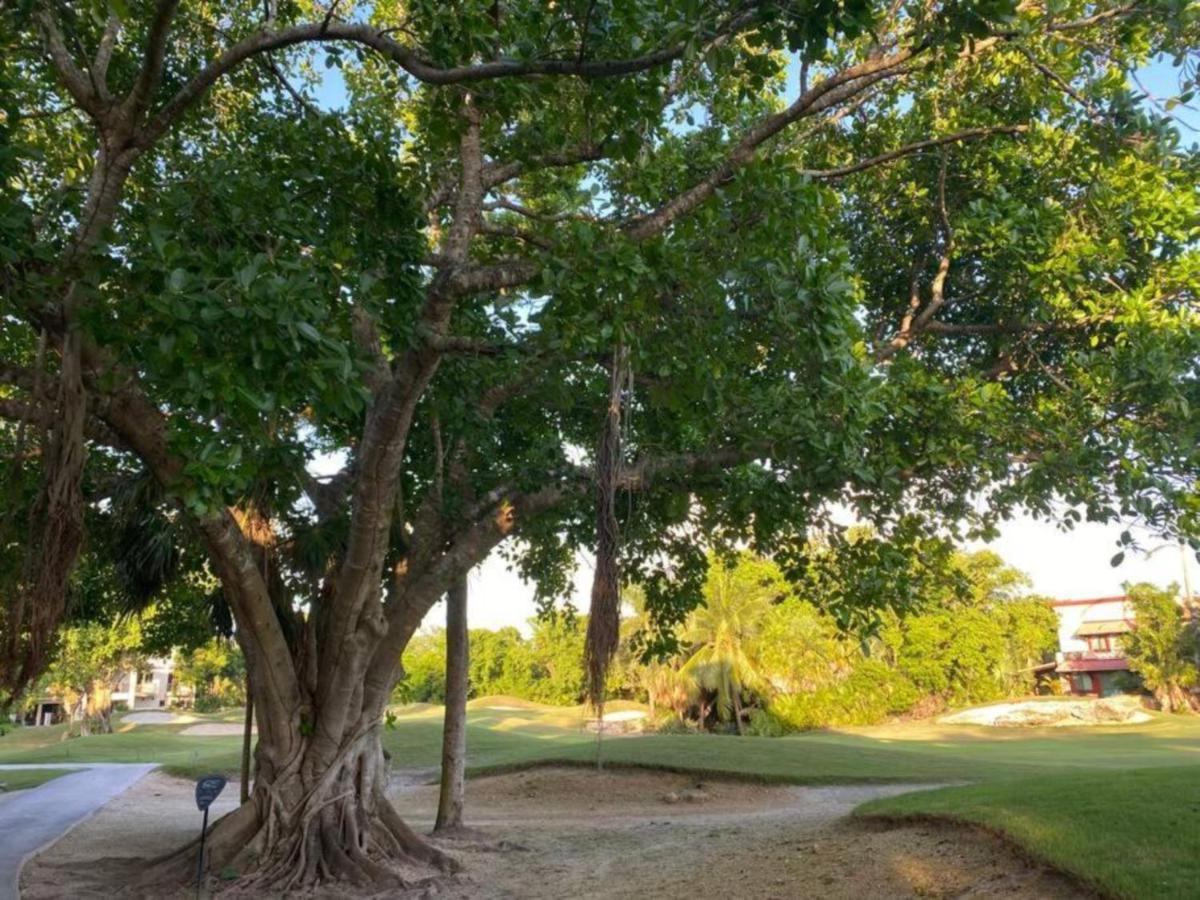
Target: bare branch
x,y
77,84
461,344
516,234
365,332
99,67
835,89
683,467
971,134
44,417
1062,84
155,55
508,274
496,174
408,59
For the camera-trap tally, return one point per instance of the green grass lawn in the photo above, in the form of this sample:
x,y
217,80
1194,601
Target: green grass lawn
x,y
1118,806
505,733
182,755
20,779
1131,833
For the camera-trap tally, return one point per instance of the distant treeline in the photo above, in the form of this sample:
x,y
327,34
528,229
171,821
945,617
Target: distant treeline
x,y
760,658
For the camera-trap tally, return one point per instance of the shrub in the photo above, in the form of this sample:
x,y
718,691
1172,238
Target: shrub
x,y
765,723
671,724
871,693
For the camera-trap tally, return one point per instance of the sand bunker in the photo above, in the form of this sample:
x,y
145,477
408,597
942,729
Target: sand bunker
x,y
565,832
1054,713
626,721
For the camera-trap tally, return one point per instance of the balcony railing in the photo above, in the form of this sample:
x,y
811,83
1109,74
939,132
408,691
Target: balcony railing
x,y
1078,655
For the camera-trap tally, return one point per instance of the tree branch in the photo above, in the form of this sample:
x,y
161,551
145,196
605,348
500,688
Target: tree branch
x,y
409,60
835,89
99,67
152,62
77,84
971,134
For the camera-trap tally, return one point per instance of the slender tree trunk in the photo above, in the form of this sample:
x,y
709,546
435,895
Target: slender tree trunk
x,y
737,708
246,742
454,728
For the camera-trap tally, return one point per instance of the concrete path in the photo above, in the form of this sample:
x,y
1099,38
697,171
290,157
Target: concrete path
x,y
33,819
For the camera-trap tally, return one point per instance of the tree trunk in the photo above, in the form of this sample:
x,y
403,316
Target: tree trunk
x,y
247,730
318,813
737,708
454,728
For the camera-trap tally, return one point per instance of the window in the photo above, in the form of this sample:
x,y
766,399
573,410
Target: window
x,y
1099,642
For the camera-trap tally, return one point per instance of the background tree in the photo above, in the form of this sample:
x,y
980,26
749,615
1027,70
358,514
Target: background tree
x,y
211,281
1162,647
454,723
91,662
722,631
216,671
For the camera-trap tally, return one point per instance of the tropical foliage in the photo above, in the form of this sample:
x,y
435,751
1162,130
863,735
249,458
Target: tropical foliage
x,y
1164,647
91,662
216,673
760,654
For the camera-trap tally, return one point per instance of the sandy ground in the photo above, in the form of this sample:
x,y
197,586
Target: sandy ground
x,y
156,718
1054,713
553,833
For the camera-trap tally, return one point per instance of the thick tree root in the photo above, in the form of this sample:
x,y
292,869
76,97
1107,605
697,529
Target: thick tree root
x,y
335,845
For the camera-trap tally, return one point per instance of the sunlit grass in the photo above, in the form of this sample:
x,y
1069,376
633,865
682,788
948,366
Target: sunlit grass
x,y
1133,833
22,779
1116,805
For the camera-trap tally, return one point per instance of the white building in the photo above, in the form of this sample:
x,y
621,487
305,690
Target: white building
x,y
153,686
149,687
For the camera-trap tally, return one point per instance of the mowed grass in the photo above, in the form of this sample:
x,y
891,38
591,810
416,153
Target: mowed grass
x,y
505,733
22,779
1132,833
1119,806
179,754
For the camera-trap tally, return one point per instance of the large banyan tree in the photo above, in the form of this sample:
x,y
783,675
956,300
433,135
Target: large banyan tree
x,y
359,292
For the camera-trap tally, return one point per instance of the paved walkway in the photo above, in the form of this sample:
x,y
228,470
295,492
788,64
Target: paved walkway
x,y
33,819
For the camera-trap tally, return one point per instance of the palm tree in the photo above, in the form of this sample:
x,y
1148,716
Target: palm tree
x,y
722,631
669,688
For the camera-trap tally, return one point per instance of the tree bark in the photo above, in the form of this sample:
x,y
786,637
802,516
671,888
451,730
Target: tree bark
x,y
313,817
454,728
246,742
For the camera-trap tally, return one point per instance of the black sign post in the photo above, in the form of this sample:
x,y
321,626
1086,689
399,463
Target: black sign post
x,y
208,789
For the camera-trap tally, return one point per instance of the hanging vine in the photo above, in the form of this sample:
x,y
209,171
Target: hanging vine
x,y
604,617
55,528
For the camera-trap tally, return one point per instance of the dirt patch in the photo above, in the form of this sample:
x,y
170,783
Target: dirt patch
x,y
552,833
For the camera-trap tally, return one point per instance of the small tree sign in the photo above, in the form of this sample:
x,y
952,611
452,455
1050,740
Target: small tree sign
x,y
208,789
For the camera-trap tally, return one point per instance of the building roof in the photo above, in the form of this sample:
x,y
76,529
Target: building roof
x,y
1107,626
1090,600
1093,665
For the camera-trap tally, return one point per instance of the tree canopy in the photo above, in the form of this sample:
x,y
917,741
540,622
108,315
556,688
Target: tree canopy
x,y
926,263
